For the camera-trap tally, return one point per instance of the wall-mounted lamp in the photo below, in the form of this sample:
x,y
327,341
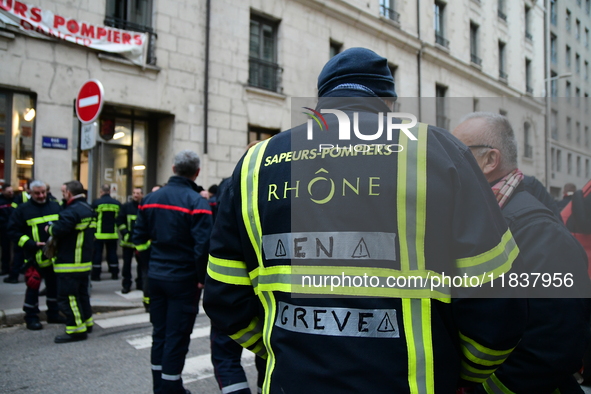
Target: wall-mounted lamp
x,y
118,135
29,114
140,167
28,162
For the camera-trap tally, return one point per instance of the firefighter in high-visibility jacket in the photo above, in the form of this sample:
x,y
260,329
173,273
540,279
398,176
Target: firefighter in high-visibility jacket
x,y
107,209
18,256
126,222
26,228
74,231
332,245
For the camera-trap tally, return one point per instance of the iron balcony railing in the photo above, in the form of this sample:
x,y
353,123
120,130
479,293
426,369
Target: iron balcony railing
x,y
389,13
127,25
529,89
264,74
529,36
439,39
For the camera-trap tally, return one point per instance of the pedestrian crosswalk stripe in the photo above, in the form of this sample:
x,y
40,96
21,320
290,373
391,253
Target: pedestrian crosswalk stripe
x,y
199,367
145,341
123,320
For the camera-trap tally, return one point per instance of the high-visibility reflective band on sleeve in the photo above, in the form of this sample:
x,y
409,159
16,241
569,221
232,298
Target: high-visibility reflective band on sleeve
x,y
228,271
122,227
260,349
84,226
249,335
498,260
475,374
482,355
144,246
14,205
72,267
494,386
23,240
108,208
42,219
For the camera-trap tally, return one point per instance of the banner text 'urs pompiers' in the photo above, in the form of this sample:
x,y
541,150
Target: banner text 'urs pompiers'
x,y
41,23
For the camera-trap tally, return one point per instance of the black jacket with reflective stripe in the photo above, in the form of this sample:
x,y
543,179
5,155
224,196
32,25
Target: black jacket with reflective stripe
x,y
27,227
126,222
74,232
308,199
177,221
107,209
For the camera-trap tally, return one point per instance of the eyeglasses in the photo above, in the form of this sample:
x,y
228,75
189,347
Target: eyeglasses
x,y
481,146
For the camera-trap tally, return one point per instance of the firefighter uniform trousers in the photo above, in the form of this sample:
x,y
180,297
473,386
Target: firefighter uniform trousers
x,y
74,301
107,209
31,305
177,302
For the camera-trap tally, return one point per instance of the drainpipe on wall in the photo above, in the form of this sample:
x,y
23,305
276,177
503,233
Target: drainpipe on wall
x,y
419,57
206,76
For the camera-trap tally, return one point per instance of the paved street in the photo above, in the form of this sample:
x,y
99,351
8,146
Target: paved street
x,y
115,358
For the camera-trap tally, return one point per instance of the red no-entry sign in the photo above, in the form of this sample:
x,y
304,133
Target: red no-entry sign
x,y
89,101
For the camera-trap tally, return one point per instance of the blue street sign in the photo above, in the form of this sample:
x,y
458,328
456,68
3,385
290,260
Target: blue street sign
x,y
55,143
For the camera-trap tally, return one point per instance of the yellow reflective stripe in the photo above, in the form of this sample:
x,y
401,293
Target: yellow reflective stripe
x,y
39,258
480,354
475,374
249,335
494,386
108,208
78,250
23,240
260,349
84,226
269,304
42,219
130,220
14,205
249,177
411,203
72,267
89,322
500,257
75,310
122,227
228,271
146,300
144,246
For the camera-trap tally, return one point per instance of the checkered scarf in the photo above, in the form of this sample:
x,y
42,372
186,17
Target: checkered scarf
x,y
505,187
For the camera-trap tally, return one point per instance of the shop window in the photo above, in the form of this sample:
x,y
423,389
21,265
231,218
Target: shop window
x,y
17,126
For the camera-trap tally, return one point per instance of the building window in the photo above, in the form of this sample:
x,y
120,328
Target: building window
x,y
577,63
335,48
567,59
475,104
579,3
441,107
569,163
578,131
528,34
587,6
440,24
587,168
553,159
558,160
578,165
568,128
502,61
578,30
133,15
17,128
554,49
587,136
586,38
263,68
567,91
528,149
387,10
554,124
567,21
528,84
577,97
553,12
586,70
501,12
553,85
256,133
474,44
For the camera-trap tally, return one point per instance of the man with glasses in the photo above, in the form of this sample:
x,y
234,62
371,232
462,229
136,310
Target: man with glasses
x,y
552,347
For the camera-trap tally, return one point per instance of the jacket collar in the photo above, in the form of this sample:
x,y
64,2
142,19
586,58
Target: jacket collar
x,y
182,181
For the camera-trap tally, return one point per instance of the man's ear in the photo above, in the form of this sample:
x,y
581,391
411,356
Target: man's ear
x,y
492,161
